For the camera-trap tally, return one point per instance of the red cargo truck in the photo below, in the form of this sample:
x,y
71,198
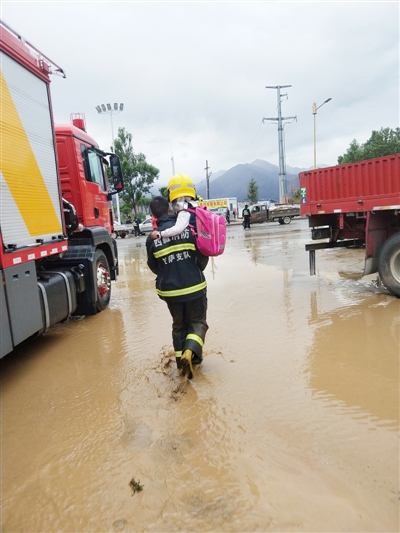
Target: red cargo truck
x,y
357,204
57,256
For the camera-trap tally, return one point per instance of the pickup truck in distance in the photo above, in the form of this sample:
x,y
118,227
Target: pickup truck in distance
x,y
282,213
121,230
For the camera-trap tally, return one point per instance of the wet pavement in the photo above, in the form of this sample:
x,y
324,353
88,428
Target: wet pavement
x,y
290,424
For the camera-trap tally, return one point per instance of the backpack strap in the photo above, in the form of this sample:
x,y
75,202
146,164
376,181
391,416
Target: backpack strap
x,y
192,228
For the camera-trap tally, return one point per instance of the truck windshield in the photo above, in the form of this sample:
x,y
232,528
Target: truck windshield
x,y
93,167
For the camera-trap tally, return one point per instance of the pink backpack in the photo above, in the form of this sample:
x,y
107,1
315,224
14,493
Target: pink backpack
x,y
211,231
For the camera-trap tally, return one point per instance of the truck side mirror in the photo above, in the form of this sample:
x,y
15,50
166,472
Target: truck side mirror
x,y
116,171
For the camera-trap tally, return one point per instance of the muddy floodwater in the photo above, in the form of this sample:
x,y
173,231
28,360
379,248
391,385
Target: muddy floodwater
x,y
290,424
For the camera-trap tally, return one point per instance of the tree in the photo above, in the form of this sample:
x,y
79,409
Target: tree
x,y
163,191
252,191
139,175
295,199
381,143
145,202
125,210
354,153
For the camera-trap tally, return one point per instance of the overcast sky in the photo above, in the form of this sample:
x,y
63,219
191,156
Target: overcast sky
x,y
192,75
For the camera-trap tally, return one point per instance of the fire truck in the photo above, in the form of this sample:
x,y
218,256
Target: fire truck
x,y
357,205
57,256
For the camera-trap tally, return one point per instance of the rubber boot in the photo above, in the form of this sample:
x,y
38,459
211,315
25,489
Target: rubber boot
x,y
186,364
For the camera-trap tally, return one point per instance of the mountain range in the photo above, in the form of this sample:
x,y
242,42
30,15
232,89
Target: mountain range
x,y
234,182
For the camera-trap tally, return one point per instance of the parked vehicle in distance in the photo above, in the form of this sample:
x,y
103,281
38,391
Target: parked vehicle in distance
x,y
122,230
146,226
282,213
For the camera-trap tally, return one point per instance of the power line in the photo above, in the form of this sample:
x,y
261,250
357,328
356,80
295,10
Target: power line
x,y
248,150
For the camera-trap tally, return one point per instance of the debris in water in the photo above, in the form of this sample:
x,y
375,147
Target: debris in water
x,y
135,486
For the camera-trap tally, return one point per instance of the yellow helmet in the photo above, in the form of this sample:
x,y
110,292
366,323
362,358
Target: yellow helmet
x,y
180,185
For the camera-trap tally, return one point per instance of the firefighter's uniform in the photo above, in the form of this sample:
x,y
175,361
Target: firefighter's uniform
x,y
181,284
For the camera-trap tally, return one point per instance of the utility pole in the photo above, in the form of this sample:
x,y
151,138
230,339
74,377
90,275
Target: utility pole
x,y
208,175
282,167
314,112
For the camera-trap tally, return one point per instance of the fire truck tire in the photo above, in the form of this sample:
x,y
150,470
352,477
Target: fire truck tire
x,y
389,264
103,281
287,220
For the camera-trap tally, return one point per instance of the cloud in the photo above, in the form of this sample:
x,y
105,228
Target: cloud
x,y
192,75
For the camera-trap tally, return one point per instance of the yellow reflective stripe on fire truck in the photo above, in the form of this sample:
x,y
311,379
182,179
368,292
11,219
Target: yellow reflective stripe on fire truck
x,y
17,163
175,248
182,292
196,338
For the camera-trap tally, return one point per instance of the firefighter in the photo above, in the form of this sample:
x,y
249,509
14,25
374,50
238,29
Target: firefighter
x,y
180,282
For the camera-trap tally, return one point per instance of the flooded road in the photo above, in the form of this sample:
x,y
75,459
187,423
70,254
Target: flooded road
x,y
290,424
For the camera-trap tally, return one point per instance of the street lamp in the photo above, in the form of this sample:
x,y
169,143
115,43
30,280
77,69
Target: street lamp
x,y
314,112
108,109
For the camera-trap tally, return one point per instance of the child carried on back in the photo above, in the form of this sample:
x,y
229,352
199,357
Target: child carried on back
x,y
182,195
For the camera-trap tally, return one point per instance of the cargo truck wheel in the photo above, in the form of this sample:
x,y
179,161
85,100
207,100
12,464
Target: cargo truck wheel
x,y
123,235
287,220
389,264
103,281
280,220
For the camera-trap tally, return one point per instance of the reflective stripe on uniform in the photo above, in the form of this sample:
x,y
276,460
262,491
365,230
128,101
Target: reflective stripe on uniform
x,y
195,338
178,354
182,292
174,248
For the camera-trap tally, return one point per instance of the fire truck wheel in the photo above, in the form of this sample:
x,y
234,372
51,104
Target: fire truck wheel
x,y
103,281
389,264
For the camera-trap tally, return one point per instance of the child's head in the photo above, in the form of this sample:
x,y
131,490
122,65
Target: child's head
x,y
159,206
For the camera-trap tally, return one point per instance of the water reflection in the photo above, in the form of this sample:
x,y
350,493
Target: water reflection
x,y
354,357
56,437
253,247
